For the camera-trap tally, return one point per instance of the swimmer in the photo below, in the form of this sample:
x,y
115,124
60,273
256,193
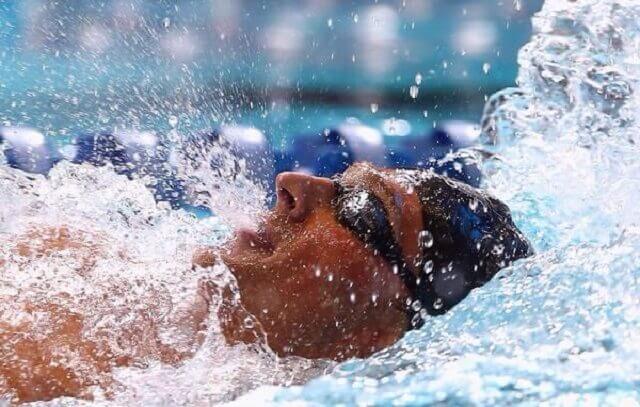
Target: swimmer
x,y
339,268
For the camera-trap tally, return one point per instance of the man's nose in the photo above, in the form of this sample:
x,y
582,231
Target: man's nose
x,y
299,194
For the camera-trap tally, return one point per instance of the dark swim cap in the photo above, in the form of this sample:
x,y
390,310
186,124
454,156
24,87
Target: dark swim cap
x,y
468,237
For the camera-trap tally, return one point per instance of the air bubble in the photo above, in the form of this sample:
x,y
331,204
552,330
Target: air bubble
x,y
428,267
249,322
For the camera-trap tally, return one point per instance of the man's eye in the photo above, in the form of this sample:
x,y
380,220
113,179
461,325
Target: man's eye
x,y
365,215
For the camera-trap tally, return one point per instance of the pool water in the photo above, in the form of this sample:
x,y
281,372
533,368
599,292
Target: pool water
x,y
559,328
563,327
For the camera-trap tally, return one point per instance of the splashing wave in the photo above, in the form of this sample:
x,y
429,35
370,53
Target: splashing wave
x,y
563,326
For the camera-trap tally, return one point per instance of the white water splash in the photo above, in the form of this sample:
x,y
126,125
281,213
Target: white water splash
x,y
221,181
562,327
136,276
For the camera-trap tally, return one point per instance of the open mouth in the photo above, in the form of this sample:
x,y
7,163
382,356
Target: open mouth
x,y
258,240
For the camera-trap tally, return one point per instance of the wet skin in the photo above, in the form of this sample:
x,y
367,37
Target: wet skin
x,y
308,286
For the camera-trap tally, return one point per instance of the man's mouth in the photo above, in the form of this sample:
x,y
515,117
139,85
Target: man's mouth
x,y
254,240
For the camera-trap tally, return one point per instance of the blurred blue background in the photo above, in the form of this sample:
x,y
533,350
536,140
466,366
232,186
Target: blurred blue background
x,y
283,66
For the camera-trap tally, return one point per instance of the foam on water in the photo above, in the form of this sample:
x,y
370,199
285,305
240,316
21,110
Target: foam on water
x,y
562,327
135,276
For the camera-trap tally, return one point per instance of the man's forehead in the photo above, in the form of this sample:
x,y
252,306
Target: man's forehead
x,y
361,171
401,180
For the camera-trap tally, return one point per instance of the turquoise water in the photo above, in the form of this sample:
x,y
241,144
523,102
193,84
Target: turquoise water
x,y
560,328
93,45
563,327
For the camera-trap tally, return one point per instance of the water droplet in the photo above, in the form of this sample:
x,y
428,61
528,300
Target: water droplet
x,y
248,322
517,5
425,113
374,107
425,239
486,67
355,18
428,267
437,304
497,249
413,91
418,78
473,204
352,298
416,305
173,121
166,22
374,297
330,23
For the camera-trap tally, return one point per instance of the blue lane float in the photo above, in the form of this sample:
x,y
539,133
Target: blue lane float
x,y
443,150
332,151
27,149
139,154
133,153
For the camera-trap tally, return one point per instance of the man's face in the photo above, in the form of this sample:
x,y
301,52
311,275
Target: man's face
x,y
309,285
